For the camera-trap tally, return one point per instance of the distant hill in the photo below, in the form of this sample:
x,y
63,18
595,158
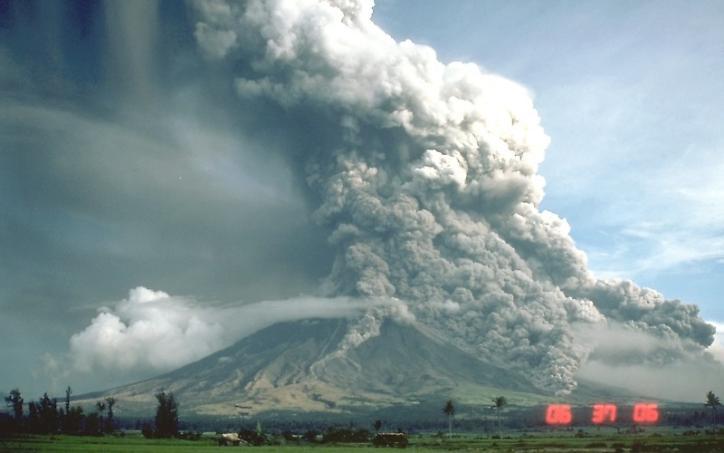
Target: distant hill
x,y
291,367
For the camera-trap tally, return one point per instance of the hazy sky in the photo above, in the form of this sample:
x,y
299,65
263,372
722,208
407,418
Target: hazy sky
x,y
122,164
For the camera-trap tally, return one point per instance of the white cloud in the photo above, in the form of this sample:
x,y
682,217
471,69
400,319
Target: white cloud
x,y
149,329
152,331
676,216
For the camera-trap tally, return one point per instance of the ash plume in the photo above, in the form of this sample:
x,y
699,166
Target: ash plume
x,y
425,174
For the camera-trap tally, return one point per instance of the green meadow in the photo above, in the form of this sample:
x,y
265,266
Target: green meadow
x,y
660,441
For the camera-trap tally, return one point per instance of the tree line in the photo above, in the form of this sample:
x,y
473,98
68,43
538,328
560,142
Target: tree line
x,y
46,416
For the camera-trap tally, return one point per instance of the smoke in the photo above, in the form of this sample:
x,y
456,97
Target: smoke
x,y
154,331
717,347
674,368
425,174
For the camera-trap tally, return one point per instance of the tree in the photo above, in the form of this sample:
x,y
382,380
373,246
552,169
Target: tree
x,y
498,403
449,410
14,400
712,401
68,392
73,420
147,430
377,425
33,417
166,415
100,407
110,401
48,414
92,425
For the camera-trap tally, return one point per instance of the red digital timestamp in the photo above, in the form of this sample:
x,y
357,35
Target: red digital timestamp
x,y
604,413
559,414
646,413
562,414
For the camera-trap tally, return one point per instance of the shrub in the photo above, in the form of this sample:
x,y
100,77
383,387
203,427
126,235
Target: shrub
x,y
252,437
343,435
310,436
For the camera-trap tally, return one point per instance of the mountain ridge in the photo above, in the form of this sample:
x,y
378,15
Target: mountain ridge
x,y
294,367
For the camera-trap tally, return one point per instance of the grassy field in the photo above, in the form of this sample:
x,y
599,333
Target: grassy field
x,y
647,442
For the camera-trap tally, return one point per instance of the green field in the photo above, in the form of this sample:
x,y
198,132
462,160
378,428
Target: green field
x,y
565,442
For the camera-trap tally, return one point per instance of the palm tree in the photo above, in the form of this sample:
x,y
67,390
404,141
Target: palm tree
x,y
449,410
100,407
110,401
68,392
498,403
712,401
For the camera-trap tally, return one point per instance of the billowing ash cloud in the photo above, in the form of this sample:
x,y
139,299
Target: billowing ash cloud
x,y
154,331
426,175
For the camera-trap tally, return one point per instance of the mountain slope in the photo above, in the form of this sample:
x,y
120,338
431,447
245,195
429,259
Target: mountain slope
x,y
293,366
296,367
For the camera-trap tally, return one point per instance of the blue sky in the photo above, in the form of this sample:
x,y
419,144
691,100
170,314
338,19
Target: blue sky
x,y
631,94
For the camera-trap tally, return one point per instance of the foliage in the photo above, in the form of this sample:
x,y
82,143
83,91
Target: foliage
x,y
92,425
68,392
73,420
100,407
253,437
147,431
712,400
110,402
449,410
166,415
43,415
14,400
390,440
310,435
346,435
499,402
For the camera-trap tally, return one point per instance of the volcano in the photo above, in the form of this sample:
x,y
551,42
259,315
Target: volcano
x,y
297,367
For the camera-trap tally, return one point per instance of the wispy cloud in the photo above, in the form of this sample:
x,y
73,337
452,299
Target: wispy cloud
x,y
151,331
682,201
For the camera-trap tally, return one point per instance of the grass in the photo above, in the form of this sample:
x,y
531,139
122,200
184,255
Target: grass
x,y
660,441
